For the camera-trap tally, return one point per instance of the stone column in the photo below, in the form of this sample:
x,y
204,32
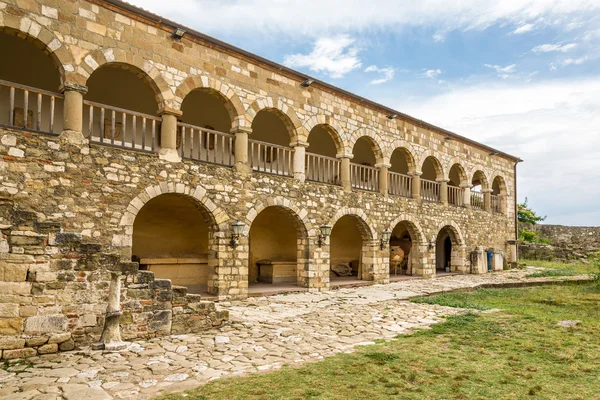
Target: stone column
x,y
73,112
487,200
168,134
242,162
467,199
502,203
319,264
416,184
299,165
345,170
383,177
443,191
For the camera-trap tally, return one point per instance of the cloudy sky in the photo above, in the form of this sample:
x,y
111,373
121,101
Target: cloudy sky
x,y
519,75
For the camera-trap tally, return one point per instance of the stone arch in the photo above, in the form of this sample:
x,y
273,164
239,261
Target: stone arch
x,y
414,228
143,68
407,150
331,126
452,252
232,102
501,183
456,234
364,224
51,45
300,216
456,161
480,171
375,140
439,168
297,132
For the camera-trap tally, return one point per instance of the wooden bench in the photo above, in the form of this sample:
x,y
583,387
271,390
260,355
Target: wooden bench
x,y
276,271
180,270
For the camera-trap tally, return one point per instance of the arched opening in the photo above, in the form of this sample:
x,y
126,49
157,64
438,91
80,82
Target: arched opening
x,y
457,181
204,128
447,252
478,184
499,195
432,173
120,108
173,236
404,258
270,149
29,82
321,162
400,183
363,173
278,250
349,251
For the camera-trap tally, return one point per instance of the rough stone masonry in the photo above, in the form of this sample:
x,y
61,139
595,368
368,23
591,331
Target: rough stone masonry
x,y
68,203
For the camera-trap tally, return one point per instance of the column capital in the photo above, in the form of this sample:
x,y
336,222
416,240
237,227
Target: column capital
x,y
298,143
443,180
383,165
241,129
484,191
72,87
467,186
169,111
415,173
344,154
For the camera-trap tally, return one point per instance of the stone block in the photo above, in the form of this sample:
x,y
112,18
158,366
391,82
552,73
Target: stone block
x,y
11,343
67,346
8,310
87,320
11,326
49,348
15,288
19,353
60,337
56,323
36,341
11,272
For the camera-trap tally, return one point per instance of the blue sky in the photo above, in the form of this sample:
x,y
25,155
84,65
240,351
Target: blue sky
x,y
519,75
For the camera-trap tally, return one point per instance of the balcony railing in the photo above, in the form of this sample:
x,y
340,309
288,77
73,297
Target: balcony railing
x,y
271,158
364,177
456,196
430,190
119,127
30,108
495,200
323,169
477,200
205,145
399,184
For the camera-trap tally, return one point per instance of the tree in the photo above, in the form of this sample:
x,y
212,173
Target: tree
x,y
526,215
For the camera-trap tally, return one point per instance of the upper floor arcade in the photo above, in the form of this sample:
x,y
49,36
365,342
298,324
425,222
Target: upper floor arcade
x,y
197,109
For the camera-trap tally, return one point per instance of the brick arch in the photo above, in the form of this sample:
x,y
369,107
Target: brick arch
x,y
364,224
479,169
134,63
407,150
217,217
297,132
377,144
455,233
462,172
414,228
299,216
51,45
437,164
232,102
331,126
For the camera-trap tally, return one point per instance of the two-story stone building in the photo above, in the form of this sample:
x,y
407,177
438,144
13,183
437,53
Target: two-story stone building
x,y
214,168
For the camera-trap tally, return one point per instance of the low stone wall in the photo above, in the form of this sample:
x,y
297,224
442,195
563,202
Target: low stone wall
x,y
566,243
54,289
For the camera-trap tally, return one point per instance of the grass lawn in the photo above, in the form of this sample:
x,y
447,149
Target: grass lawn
x,y
557,268
518,353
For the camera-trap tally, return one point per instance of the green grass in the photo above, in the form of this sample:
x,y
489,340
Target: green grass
x,y
519,353
566,268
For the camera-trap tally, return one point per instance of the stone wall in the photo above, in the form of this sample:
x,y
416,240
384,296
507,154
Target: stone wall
x,y
566,243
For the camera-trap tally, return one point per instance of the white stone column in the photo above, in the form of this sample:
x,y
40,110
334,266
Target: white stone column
x,y
487,200
416,184
242,162
168,134
443,191
73,112
345,170
299,164
383,177
467,193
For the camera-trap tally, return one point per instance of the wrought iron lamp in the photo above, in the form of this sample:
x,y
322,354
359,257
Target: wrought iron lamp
x,y
385,238
237,227
325,232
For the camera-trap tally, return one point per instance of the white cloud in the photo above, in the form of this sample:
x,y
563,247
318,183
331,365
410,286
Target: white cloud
x,y
574,61
387,72
504,72
334,55
547,48
318,18
432,73
554,126
523,29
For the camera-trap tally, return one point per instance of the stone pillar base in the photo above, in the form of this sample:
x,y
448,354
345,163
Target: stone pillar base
x,y
170,155
73,138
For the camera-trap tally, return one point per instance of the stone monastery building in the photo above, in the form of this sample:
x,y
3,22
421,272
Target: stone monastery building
x,y
194,171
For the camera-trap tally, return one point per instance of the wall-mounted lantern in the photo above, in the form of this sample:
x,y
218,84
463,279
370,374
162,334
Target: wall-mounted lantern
x,y
178,33
325,232
237,228
385,238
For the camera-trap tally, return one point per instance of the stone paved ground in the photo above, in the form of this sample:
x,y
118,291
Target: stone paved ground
x,y
264,334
